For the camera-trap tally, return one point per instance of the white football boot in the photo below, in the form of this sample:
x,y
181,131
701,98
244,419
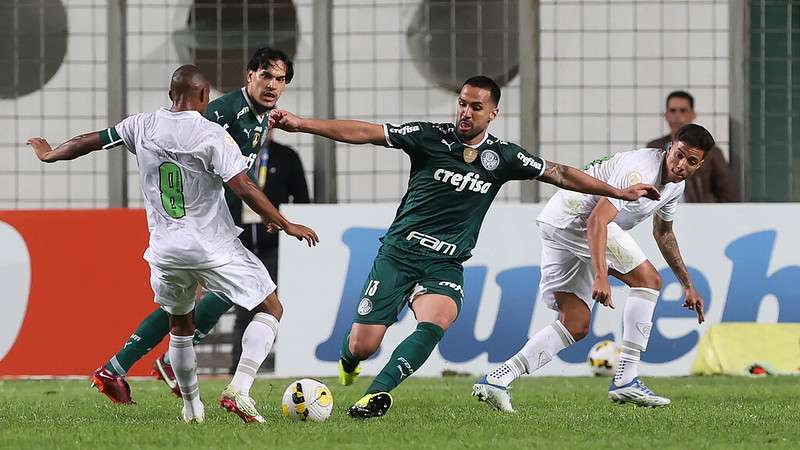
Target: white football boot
x,y
637,393
240,404
192,415
494,395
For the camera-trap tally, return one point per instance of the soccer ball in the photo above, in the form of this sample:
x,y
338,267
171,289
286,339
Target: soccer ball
x,y
603,359
307,399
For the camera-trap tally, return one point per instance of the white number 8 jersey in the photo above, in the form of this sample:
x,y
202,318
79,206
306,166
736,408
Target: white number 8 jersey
x,y
183,159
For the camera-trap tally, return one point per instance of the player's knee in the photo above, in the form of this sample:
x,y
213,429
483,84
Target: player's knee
x,y
362,348
443,321
271,305
182,325
275,308
579,332
578,327
440,311
656,282
651,280
646,276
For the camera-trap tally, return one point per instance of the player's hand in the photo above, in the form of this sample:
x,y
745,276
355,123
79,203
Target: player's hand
x,y
302,232
283,120
40,146
601,291
272,227
636,191
694,302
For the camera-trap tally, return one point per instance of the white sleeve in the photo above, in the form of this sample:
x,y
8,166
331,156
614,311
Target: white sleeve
x,y
667,212
126,130
614,172
227,160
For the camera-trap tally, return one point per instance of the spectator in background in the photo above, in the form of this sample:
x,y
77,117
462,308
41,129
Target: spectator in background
x,y
279,173
713,181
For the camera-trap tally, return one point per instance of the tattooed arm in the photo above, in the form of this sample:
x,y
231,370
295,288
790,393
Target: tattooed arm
x,y
572,179
668,245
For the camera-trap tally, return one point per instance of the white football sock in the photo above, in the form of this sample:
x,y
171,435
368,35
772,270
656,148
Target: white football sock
x,y
256,344
637,320
184,363
538,351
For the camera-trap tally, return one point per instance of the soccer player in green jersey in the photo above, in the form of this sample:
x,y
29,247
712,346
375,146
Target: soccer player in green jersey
x,y
456,171
243,113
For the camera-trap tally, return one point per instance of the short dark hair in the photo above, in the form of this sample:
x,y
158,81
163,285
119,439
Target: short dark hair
x,y
695,136
681,94
484,82
264,56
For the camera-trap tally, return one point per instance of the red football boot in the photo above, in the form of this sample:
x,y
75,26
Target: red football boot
x,y
163,371
112,386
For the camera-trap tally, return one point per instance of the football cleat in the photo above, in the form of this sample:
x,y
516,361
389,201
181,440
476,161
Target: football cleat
x,y
494,395
193,416
347,378
112,386
240,404
371,405
162,370
637,393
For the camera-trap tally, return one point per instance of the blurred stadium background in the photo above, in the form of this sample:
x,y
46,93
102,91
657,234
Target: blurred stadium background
x,y
581,79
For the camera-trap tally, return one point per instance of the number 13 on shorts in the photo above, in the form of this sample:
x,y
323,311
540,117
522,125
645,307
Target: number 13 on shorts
x,y
372,288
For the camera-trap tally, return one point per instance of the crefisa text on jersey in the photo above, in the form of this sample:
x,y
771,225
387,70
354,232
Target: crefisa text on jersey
x,y
469,181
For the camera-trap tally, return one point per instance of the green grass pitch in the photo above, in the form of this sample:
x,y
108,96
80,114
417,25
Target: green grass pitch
x,y
711,412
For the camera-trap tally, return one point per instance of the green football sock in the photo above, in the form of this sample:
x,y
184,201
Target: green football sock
x,y
407,357
207,313
150,332
349,362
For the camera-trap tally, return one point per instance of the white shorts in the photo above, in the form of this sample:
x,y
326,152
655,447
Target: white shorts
x,y
244,281
567,262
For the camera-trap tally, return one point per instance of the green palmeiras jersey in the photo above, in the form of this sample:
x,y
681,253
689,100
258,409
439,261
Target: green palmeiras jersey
x,y
451,186
235,113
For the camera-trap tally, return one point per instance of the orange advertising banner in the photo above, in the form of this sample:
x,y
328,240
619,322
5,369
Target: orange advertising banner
x,y
75,287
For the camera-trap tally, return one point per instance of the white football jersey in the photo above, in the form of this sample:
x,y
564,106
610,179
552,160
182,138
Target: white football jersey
x,y
571,210
184,159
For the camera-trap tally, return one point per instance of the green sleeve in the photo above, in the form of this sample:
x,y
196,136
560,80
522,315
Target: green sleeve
x,y
521,165
407,136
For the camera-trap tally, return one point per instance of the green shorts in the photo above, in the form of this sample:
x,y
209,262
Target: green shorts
x,y
398,277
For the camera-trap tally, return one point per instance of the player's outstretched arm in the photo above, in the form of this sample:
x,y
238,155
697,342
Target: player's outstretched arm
x,y
570,178
597,234
668,245
73,148
348,131
245,189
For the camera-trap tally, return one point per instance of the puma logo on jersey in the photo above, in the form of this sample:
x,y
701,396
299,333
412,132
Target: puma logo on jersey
x,y
469,181
246,131
219,116
448,144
